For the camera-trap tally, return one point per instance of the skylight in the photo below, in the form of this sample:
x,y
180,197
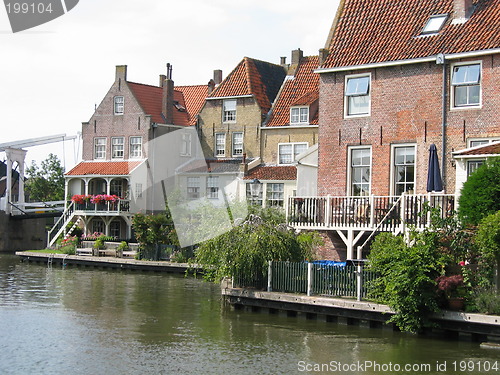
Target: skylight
x,y
434,24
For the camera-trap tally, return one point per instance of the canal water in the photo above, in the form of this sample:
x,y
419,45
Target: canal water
x,y
93,321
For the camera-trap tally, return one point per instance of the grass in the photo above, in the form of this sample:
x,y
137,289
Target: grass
x,y
46,251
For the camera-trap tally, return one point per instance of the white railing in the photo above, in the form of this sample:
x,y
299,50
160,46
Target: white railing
x,y
116,207
381,213
25,208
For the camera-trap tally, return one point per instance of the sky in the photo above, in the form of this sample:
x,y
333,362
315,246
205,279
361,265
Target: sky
x,y
52,76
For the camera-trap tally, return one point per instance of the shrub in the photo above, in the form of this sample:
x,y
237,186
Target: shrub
x,y
488,301
407,277
488,242
123,246
99,243
480,195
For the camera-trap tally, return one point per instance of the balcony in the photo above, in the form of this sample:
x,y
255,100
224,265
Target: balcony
x,y
121,206
367,213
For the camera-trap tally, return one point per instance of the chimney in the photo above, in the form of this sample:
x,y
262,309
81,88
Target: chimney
x,y
163,77
211,86
323,55
297,55
217,76
283,61
168,96
462,9
121,73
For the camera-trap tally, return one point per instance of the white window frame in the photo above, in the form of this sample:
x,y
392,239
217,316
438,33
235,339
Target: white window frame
x,y
229,115
186,144
193,187
299,115
368,95
484,141
294,153
220,147
213,187
350,149
135,148
99,152
271,199
116,152
470,162
118,105
454,86
236,152
437,21
393,165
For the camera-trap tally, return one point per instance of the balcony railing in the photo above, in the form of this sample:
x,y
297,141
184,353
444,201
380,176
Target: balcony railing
x,y
383,213
104,207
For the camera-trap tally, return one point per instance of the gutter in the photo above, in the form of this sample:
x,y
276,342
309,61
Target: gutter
x,y
451,56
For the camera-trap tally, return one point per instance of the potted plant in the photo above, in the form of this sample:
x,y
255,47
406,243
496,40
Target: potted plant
x,y
453,288
123,246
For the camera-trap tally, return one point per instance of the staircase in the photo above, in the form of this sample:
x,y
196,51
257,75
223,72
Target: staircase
x,y
61,224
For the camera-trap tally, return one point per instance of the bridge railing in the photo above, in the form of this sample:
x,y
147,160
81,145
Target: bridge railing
x,y
26,208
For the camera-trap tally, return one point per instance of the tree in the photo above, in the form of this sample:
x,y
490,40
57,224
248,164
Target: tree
x,y
488,242
47,182
247,248
480,194
153,231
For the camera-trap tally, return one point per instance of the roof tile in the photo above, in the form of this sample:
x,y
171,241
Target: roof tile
x,y
279,173
109,168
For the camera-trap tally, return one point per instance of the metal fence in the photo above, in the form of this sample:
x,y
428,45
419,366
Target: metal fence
x,y
326,278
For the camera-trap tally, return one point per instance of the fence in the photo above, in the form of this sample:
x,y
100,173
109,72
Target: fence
x,y
326,278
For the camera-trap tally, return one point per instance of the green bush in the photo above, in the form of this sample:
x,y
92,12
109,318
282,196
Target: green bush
x,y
488,243
487,301
480,195
408,277
99,243
123,246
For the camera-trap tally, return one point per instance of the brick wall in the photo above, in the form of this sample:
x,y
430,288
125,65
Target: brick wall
x,y
104,123
406,104
248,121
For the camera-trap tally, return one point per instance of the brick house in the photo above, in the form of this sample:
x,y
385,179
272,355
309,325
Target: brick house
x,y
399,76
122,152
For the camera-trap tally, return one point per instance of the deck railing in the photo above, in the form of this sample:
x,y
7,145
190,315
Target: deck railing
x,y
121,205
384,213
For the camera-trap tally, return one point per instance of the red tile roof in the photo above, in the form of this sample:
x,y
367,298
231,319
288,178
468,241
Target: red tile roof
x,y
190,99
108,168
253,77
303,89
375,31
194,98
280,173
490,149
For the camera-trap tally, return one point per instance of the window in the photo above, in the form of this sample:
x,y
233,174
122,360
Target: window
x,y
138,190
360,171
186,144
135,147
237,144
117,147
97,226
116,188
119,105
473,165
404,169
213,187
229,110
114,229
357,95
193,187
481,142
275,195
299,115
466,84
220,144
287,152
100,148
434,24
254,199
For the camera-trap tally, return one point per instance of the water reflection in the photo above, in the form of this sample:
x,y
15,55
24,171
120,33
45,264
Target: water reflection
x,y
90,321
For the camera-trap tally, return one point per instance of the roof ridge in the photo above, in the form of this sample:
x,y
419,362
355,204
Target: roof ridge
x,y
144,84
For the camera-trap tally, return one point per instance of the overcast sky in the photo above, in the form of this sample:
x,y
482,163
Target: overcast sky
x,y
52,76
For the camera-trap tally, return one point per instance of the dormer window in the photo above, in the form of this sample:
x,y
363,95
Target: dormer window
x,y
299,115
434,24
119,104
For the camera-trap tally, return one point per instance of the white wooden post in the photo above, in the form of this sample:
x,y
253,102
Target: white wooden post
x,y
403,212
359,281
270,276
372,210
328,211
309,279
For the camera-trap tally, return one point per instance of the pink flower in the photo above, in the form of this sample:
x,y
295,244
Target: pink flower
x,y
462,263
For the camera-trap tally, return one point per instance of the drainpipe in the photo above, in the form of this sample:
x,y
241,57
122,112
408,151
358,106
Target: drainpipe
x,y
441,60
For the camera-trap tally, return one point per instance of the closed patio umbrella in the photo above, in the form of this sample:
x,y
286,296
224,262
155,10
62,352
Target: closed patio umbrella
x,y
434,181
